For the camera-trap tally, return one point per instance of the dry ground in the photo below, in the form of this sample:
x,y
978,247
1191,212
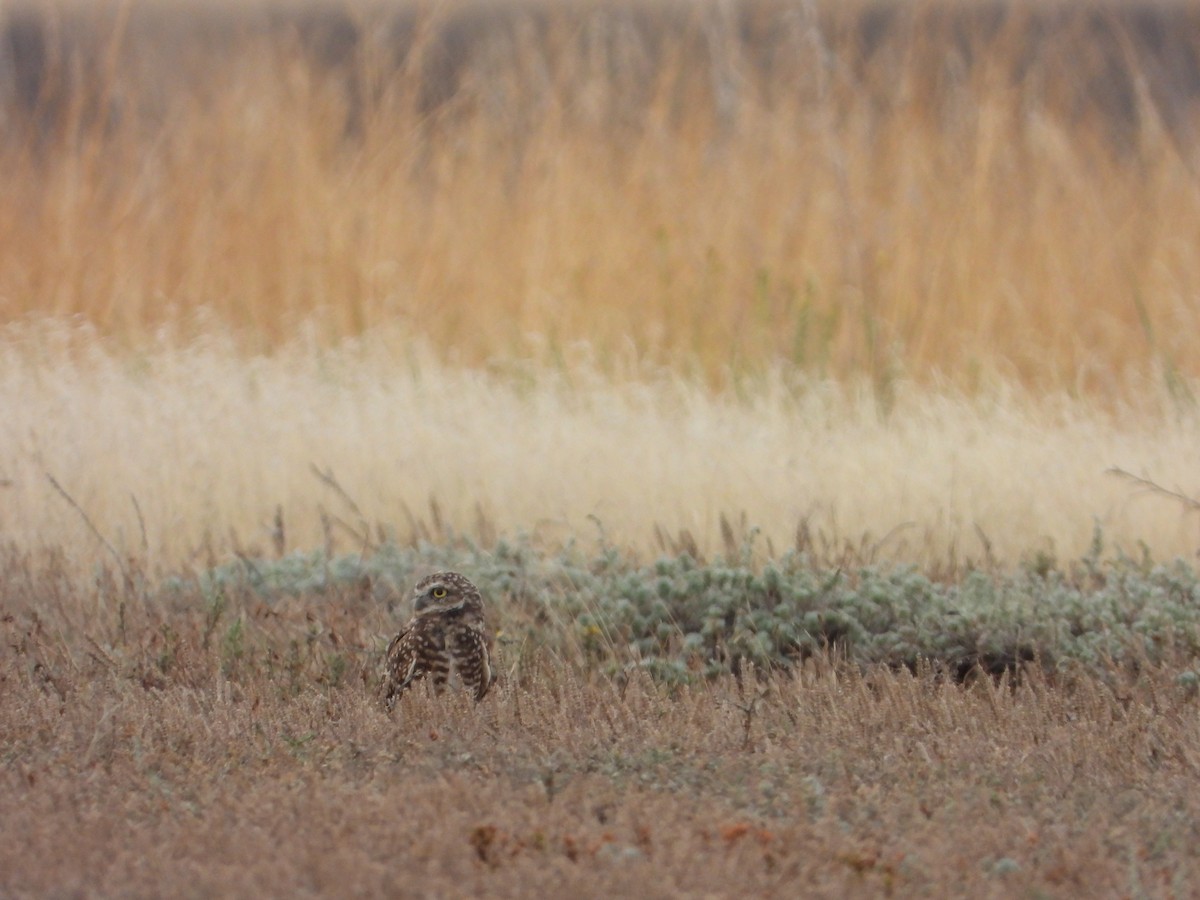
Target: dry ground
x,y
133,767
156,746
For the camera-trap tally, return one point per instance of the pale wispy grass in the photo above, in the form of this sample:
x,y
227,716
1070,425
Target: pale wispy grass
x,y
181,451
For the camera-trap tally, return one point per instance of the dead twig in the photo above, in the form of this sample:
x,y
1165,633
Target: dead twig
x,y
747,710
326,478
1153,487
91,527
362,534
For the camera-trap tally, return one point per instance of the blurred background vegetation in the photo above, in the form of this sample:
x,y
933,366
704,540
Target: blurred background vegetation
x,y
963,191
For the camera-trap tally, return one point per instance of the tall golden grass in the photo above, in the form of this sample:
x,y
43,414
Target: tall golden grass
x,y
548,266
923,191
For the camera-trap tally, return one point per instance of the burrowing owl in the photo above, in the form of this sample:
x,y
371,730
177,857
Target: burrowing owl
x,y
446,636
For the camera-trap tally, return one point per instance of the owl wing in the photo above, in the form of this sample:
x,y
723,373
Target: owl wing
x,y
400,663
474,660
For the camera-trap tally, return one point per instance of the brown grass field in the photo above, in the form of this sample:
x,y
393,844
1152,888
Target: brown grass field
x,y
898,282
146,755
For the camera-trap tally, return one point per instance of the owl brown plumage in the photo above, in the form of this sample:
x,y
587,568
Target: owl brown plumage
x,y
446,637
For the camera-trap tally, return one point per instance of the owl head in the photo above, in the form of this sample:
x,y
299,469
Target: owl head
x,y
446,592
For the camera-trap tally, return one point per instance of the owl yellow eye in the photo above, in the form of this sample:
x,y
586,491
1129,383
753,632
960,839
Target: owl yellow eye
x,y
439,592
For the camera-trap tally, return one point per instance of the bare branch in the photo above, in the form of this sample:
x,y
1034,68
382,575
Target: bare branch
x,y
1154,487
88,522
141,525
326,478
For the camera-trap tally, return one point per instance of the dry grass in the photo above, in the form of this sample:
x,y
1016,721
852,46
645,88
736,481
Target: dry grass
x,y
170,761
304,237
182,455
882,190
601,192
